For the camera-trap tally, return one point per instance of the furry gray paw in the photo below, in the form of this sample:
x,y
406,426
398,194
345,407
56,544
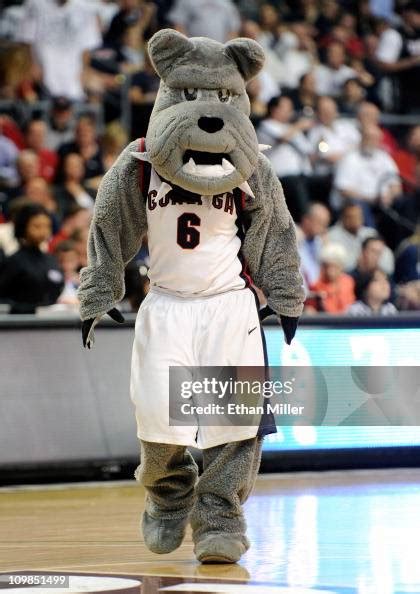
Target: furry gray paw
x,y
163,536
221,548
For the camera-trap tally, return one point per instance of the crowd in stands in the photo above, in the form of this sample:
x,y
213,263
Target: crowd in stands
x,y
337,102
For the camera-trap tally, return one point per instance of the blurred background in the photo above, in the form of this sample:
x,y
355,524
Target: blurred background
x,y
338,103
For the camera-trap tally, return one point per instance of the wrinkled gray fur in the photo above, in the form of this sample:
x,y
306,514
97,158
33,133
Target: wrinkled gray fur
x,y
212,503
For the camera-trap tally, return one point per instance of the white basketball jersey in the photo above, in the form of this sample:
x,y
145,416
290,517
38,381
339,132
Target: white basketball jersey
x,y
194,242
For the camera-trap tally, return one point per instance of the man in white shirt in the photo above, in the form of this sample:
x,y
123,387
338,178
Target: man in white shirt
x,y
217,19
311,238
367,174
61,33
289,152
330,77
331,137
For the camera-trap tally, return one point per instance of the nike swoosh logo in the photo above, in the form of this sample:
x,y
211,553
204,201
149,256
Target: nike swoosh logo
x,y
252,330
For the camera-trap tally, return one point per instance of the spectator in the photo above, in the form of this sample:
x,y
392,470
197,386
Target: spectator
x,y
350,232
76,218
367,175
80,239
217,19
334,291
36,141
72,189
27,165
289,153
135,14
330,12
61,125
304,98
330,138
68,260
87,145
61,32
31,278
408,160
39,192
8,242
398,57
370,258
298,54
407,274
352,96
311,237
330,77
369,114
373,292
113,142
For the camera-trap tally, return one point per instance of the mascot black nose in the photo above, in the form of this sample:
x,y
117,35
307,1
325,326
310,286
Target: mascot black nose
x,y
210,124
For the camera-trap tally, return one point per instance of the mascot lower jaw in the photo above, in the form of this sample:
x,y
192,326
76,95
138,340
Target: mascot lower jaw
x,y
215,214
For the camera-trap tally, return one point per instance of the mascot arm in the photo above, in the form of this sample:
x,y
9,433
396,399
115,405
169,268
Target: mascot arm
x,y
118,226
271,248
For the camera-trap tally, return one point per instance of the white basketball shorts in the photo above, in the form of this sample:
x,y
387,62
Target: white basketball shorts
x,y
219,330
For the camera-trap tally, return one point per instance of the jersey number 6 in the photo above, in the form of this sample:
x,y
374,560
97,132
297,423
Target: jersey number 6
x,y
188,237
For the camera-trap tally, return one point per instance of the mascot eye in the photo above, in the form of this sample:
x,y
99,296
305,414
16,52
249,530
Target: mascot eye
x,y
224,96
190,94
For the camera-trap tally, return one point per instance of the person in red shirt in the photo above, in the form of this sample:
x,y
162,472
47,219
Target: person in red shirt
x,y
333,292
36,133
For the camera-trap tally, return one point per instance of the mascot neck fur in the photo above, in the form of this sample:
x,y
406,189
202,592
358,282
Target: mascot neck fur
x,y
200,136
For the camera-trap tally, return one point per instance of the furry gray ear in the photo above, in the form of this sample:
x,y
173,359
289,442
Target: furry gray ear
x,y
248,55
165,47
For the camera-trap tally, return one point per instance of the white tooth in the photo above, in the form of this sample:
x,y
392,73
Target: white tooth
x,y
227,166
264,147
190,167
163,190
245,188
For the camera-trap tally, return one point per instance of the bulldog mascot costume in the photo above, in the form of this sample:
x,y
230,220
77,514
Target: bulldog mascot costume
x,y
215,217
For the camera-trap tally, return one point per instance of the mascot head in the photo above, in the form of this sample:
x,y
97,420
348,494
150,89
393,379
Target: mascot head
x,y
200,137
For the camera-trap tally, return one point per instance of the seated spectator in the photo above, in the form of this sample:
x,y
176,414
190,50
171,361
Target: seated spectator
x,y
8,242
36,133
350,232
408,159
298,53
80,240
407,260
113,141
27,165
369,114
61,124
373,291
334,291
37,191
68,260
87,145
367,175
371,258
289,152
311,237
352,96
72,189
304,97
331,76
30,277
330,138
398,58
76,218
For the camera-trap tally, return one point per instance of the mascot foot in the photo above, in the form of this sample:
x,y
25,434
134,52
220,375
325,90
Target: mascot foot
x,y
221,548
163,536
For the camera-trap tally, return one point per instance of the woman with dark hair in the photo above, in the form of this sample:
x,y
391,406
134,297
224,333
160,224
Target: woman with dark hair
x,y
30,277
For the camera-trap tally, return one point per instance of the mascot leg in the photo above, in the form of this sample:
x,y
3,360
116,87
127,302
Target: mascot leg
x,y
217,519
168,473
